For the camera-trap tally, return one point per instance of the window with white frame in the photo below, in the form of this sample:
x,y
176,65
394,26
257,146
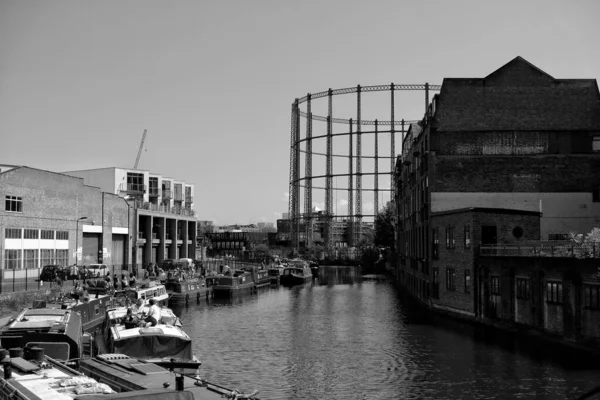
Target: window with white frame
x,y
13,204
62,257
47,257
30,234
47,235
62,235
12,233
31,258
12,259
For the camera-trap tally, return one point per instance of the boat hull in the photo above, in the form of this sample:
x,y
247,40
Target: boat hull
x,y
188,292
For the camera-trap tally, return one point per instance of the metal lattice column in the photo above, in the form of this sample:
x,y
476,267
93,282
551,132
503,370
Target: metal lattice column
x,y
329,174
294,201
376,177
392,145
308,175
358,167
351,239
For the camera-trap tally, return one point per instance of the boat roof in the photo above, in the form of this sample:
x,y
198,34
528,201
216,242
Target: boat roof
x,y
120,312
56,382
159,330
116,368
39,318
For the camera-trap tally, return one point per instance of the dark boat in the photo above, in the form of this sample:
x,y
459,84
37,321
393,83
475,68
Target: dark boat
x,y
92,311
297,272
238,281
260,276
185,292
137,380
58,331
314,268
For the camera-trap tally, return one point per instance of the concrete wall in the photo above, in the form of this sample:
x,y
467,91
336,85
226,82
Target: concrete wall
x,y
103,178
562,212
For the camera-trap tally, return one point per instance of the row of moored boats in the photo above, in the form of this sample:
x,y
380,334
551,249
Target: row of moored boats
x,y
105,345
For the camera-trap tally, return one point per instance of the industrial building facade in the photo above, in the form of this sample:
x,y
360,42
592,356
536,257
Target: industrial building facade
x,y
59,218
51,218
491,156
164,225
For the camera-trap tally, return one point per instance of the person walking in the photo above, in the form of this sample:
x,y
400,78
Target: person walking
x,y
74,272
132,280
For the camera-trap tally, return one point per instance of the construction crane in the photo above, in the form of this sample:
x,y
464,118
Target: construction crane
x,y
137,160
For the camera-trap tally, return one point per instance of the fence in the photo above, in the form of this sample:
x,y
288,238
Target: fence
x,y
543,250
27,280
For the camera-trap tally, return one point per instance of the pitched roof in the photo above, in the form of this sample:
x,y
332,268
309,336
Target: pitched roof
x,y
517,96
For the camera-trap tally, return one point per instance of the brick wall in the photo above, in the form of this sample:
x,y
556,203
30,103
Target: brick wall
x,y
548,173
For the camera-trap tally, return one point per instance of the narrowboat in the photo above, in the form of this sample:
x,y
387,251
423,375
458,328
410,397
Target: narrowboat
x,y
261,277
58,331
136,380
185,292
92,311
39,377
237,281
151,290
297,272
159,344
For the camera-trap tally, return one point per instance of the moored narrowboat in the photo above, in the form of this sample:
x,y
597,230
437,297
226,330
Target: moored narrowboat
x,y
237,281
58,331
188,291
297,272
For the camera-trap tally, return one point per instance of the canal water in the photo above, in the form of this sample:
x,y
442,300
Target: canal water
x,y
345,337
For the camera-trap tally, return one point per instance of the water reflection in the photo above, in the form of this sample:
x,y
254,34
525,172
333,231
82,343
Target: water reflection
x,y
342,336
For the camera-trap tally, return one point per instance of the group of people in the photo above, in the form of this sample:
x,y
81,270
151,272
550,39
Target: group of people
x,y
137,317
125,282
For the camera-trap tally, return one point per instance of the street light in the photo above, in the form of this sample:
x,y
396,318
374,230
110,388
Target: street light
x,y
77,238
129,235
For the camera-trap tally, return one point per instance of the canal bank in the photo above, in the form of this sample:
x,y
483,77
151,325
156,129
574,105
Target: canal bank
x,y
343,336
528,335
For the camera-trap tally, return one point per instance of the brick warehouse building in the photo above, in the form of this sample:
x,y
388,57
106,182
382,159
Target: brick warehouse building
x,y
513,146
41,221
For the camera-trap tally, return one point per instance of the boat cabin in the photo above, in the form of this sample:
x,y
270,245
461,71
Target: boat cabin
x,y
57,331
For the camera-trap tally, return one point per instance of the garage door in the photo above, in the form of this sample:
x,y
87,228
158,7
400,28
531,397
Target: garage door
x,y
118,249
90,247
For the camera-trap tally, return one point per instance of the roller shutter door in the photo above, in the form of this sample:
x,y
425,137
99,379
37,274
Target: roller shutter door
x,y
90,247
118,249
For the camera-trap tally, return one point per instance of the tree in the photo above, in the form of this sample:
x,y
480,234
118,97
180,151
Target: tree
x,y
262,252
384,227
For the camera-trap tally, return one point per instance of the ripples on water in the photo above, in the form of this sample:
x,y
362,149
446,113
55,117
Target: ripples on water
x,y
342,337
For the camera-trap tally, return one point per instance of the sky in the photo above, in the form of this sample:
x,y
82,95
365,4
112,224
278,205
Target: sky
x,y
213,81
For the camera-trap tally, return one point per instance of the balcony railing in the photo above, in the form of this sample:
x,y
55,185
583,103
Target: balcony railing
x,y
154,191
542,250
178,197
189,199
137,188
167,194
144,205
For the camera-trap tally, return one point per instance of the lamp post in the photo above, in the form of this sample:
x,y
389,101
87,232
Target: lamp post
x,y
77,238
129,234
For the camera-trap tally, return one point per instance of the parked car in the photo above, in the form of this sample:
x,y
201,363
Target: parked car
x,y
51,272
169,264
97,270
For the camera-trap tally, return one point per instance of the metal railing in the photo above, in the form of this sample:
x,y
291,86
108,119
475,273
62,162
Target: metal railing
x,y
591,250
145,205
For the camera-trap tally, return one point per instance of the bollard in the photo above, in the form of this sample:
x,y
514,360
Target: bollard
x,y
179,383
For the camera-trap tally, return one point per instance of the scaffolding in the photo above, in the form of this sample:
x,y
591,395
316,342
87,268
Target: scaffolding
x,y
302,187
